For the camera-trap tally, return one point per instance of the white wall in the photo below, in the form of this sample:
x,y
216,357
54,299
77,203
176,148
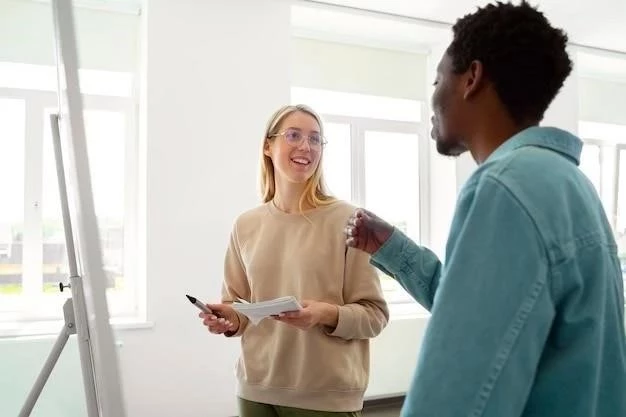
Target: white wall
x,y
213,75
358,69
602,101
563,111
394,357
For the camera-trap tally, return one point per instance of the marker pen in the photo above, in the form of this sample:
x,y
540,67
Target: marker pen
x,y
204,308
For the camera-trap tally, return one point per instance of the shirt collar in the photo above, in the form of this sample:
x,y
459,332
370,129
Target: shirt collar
x,y
552,138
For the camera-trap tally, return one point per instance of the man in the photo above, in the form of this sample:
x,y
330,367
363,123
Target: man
x,y
528,312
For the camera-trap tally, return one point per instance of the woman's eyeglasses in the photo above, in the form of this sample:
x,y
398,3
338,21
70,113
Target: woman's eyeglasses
x,y
294,137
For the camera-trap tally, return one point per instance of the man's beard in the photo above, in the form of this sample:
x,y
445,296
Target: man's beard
x,y
451,148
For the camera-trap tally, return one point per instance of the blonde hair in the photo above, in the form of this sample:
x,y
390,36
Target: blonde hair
x,y
315,193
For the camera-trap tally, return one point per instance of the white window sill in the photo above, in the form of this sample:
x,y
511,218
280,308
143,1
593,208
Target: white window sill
x,y
49,329
407,311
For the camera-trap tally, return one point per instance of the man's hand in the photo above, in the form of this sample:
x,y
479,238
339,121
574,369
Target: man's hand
x,y
228,320
313,313
366,231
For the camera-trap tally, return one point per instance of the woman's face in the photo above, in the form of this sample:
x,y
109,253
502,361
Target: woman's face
x,y
296,149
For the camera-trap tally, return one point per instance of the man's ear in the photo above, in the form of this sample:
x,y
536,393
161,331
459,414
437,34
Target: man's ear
x,y
474,79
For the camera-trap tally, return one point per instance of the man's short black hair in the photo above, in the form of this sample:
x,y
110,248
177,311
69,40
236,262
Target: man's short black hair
x,y
522,55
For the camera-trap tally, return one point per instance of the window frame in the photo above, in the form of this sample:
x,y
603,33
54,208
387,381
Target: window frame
x,y
601,146
612,141
358,127
619,149
127,305
609,173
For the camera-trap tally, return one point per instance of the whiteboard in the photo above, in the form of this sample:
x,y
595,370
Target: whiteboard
x,y
83,218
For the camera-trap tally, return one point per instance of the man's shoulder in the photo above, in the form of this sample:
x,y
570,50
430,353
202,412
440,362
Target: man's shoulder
x,y
529,172
549,187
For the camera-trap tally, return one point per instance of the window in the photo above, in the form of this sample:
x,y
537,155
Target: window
x,y
12,128
603,160
372,159
591,163
105,132
390,159
620,220
33,258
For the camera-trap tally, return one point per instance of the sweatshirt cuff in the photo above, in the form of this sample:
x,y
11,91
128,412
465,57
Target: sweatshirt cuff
x,y
243,322
345,324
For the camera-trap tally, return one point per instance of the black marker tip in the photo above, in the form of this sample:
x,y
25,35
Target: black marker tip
x,y
191,299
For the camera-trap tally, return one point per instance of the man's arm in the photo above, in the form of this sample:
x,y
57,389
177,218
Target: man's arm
x,y
491,315
415,267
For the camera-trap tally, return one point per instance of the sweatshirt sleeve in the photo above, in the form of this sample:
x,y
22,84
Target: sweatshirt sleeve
x,y
365,312
235,283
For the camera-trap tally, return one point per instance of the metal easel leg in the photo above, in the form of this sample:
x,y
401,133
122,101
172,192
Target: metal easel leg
x,y
69,328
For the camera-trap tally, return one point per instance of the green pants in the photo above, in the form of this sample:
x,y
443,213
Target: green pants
x,y
254,409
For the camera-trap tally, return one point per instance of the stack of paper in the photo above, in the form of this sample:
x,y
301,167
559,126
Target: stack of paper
x,y
258,311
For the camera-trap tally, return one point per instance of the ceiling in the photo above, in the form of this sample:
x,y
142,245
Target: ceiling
x,y
417,25
598,23
336,24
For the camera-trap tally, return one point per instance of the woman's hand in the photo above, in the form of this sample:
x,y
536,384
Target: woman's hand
x,y
224,319
313,313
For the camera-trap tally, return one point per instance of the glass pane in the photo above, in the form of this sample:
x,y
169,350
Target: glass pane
x,y
590,164
392,179
12,143
621,209
392,189
106,133
337,160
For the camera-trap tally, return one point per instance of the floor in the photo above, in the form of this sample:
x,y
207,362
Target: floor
x,y
387,408
391,411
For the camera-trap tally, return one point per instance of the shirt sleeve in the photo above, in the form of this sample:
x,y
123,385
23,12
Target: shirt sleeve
x,y
235,283
491,313
365,312
416,268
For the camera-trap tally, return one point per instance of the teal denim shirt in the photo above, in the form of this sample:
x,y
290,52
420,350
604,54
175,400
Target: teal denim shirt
x,y
528,311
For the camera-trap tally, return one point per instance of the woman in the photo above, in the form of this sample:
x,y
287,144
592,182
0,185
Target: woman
x,y
315,361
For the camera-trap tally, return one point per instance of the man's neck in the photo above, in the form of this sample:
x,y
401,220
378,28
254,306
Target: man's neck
x,y
485,142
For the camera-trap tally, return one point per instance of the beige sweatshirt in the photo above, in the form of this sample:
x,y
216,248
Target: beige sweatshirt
x,y
273,254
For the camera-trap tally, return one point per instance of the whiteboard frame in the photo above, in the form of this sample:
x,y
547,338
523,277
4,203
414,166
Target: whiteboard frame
x,y
107,381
